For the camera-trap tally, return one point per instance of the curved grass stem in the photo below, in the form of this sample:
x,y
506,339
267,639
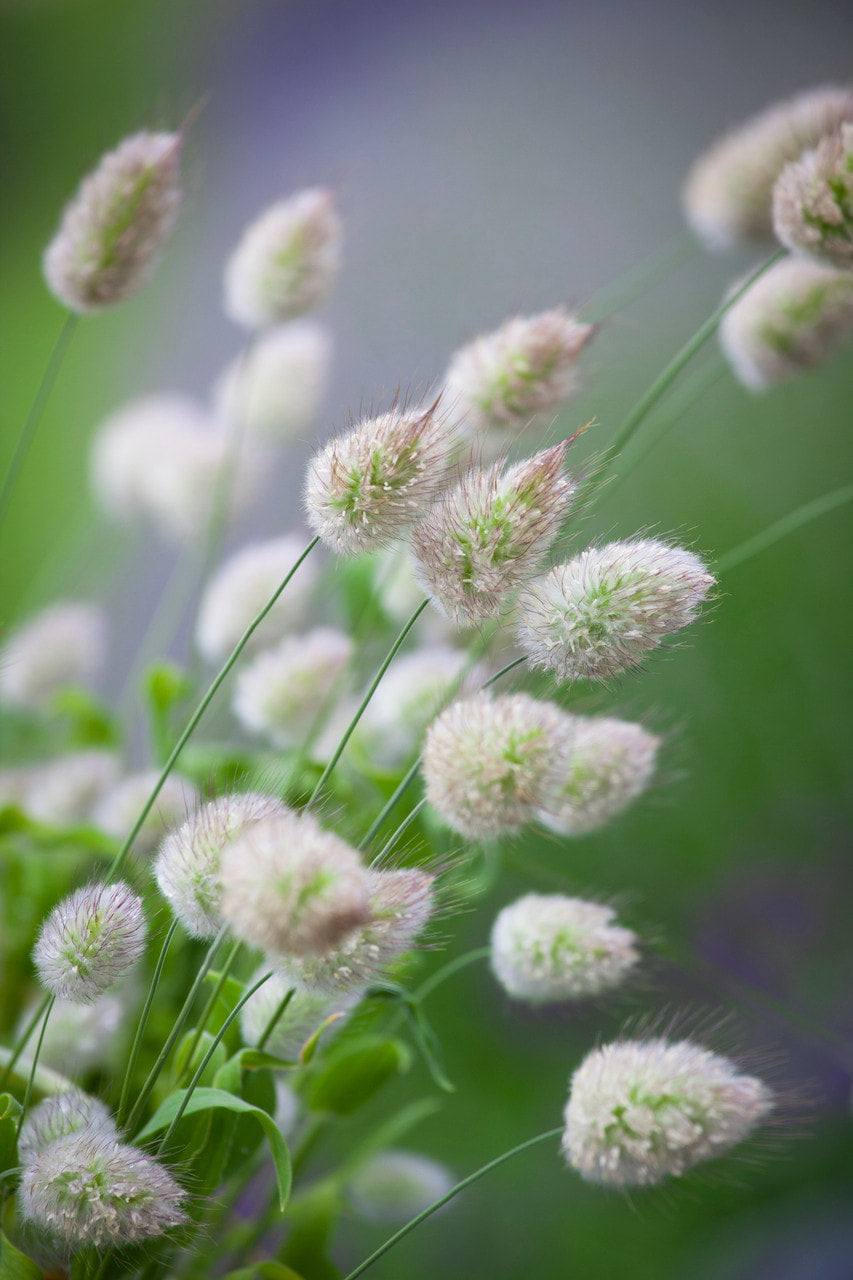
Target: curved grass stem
x,y
781,528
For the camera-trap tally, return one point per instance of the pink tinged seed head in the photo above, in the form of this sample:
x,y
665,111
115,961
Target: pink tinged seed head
x,y
285,262
187,868
284,692
792,318
489,763
602,612
62,645
400,903
275,389
90,941
528,367
365,489
640,1111
728,193
114,231
91,1189
291,888
547,948
813,202
610,764
59,1116
481,542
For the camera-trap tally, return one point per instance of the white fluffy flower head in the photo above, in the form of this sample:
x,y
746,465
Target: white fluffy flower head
x,y
242,586
275,389
65,791
187,868
479,543
365,489
291,888
394,1186
284,691
611,763
640,1111
285,262
547,947
489,763
599,614
90,941
528,367
91,1189
400,903
117,811
58,1116
62,645
791,318
728,193
813,201
113,232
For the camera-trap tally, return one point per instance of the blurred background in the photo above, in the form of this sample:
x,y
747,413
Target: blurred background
x,y
494,157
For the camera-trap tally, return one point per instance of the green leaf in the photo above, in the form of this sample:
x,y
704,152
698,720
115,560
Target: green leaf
x,y
91,722
355,1075
310,1046
10,1109
15,1265
255,1059
165,685
211,1100
231,992
313,1222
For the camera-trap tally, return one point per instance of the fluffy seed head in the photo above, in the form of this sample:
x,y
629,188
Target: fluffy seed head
x,y
480,542
528,367
242,586
64,791
63,645
728,194
410,696
792,317
640,1111
291,888
489,763
113,232
394,1186
90,940
117,811
79,1037
400,903
548,947
59,1116
275,389
306,1011
91,1189
366,488
285,262
187,866
284,691
813,202
599,614
611,762
161,458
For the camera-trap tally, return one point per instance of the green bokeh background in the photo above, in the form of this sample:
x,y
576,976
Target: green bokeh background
x,y
739,863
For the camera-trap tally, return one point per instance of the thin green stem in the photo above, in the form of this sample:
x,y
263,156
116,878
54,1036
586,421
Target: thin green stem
x,y
213,997
28,431
202,1066
29,1089
510,666
460,1186
172,1038
448,970
668,375
143,1023
781,528
271,1025
391,803
404,826
22,1041
121,856
350,729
